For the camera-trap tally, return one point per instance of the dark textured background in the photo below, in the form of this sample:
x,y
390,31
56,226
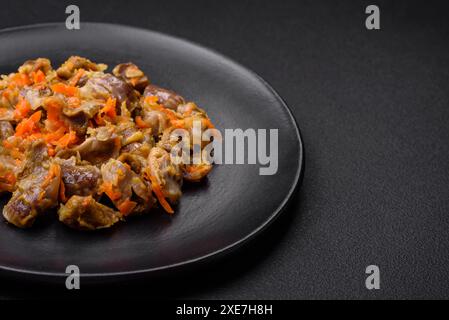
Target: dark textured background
x,y
373,110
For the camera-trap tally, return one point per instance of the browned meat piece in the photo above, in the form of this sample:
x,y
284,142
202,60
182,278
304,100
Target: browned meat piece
x,y
8,171
135,161
87,107
155,120
190,109
78,118
132,75
35,96
87,214
168,98
191,172
102,145
69,67
102,86
125,188
129,133
37,187
6,130
167,174
79,179
42,64
7,104
8,166
196,172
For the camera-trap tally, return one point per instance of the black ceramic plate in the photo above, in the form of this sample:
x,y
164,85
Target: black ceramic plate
x,y
233,205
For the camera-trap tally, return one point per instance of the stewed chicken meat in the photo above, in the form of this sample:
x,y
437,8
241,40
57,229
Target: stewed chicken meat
x,y
92,146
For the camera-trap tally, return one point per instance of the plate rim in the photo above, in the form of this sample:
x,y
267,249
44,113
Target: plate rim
x,y
216,253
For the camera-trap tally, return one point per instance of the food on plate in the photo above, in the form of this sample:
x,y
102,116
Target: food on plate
x,y
93,146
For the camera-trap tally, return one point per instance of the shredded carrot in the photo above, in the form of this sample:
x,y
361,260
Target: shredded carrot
x,y
151,100
74,81
51,151
73,102
67,139
107,188
62,195
66,90
171,115
27,126
10,177
20,80
35,136
160,195
140,123
38,76
36,117
23,107
16,154
126,207
178,123
109,108
5,94
208,124
53,106
7,144
54,171
53,137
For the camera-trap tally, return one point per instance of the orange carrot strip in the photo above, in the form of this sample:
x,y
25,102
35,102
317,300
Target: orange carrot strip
x,y
62,195
7,144
67,139
73,102
107,188
27,126
151,100
160,195
53,137
22,109
51,151
208,123
74,81
10,178
64,89
140,123
36,117
38,76
54,171
109,108
126,207
20,80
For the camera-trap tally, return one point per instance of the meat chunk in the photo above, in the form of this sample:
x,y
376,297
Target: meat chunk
x,y
41,64
35,96
103,86
136,162
68,68
37,187
168,98
125,188
8,171
86,213
156,120
102,145
79,179
78,118
6,130
166,174
196,172
132,75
